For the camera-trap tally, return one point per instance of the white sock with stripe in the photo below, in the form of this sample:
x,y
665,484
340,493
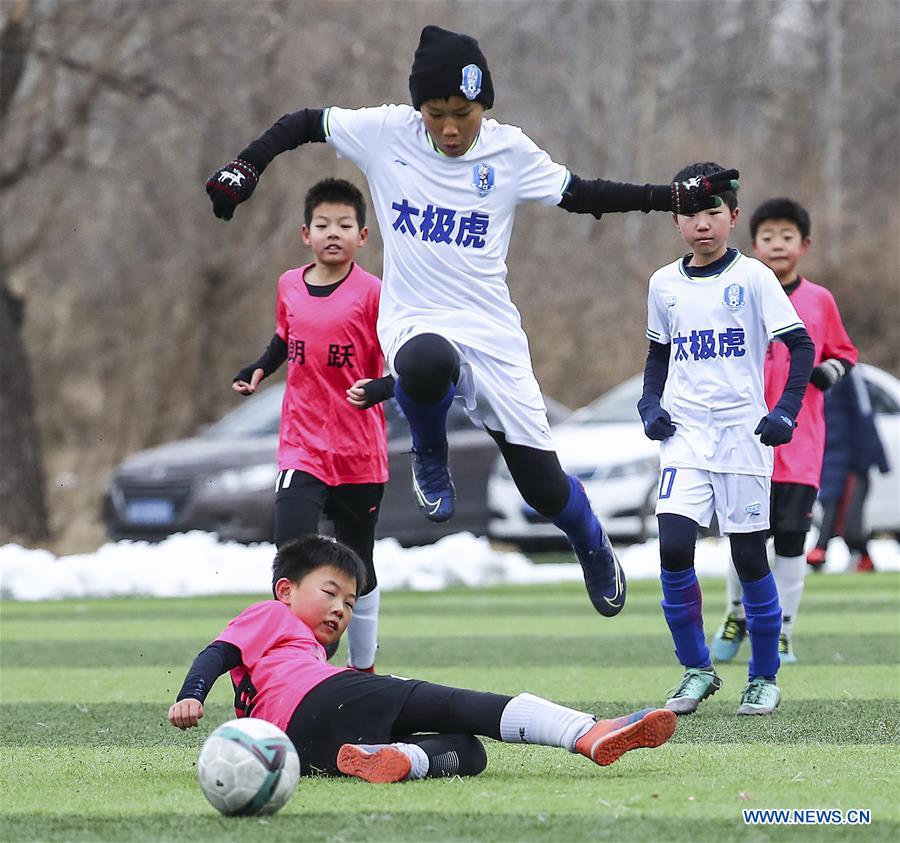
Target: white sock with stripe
x,y
531,719
362,633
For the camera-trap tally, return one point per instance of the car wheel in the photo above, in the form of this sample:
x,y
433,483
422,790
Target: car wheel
x,y
648,515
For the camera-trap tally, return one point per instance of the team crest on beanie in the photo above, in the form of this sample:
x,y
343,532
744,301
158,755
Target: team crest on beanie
x,y
471,81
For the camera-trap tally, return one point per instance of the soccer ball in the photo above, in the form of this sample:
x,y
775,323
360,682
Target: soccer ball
x,y
248,767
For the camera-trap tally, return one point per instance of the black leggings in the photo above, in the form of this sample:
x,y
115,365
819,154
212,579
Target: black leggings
x,y
455,716
352,707
353,507
678,538
844,517
427,365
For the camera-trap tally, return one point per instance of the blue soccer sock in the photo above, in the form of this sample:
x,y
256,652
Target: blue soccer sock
x,y
682,605
427,422
577,519
763,625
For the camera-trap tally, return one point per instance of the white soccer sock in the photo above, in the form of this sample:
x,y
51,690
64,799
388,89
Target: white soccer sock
x,y
417,756
734,593
531,719
362,633
789,573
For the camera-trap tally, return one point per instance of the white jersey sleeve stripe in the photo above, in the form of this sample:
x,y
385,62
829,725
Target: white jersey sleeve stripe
x,y
788,328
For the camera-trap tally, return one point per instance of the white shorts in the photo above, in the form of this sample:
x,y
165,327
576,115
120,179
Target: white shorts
x,y
498,394
740,501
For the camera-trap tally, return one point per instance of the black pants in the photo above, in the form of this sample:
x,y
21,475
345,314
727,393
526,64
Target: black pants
x,y
427,365
791,508
352,707
844,517
301,498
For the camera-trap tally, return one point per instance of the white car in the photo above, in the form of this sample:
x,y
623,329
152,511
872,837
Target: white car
x,y
604,445
882,514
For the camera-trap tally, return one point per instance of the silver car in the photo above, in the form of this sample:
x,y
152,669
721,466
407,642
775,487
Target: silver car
x,y
604,445
223,480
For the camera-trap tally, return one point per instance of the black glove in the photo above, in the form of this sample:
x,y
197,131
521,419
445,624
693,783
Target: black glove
x,y
657,422
777,428
827,374
230,185
246,374
378,390
700,192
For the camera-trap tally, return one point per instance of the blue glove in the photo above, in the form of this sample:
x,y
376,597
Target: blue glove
x,y
657,422
777,428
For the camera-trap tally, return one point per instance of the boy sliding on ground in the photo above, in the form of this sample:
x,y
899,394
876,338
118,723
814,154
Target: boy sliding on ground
x,y
330,455
711,315
379,728
445,184
780,229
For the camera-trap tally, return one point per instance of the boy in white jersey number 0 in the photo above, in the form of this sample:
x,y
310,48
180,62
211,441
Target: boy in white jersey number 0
x,y
445,183
710,317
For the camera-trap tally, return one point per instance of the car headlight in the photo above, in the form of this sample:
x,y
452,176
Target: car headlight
x,y
253,478
648,465
645,466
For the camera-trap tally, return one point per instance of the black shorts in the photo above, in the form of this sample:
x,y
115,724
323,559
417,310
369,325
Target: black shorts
x,y
349,707
791,508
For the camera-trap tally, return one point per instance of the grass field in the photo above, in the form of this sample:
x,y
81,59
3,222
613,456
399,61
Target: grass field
x,y
88,754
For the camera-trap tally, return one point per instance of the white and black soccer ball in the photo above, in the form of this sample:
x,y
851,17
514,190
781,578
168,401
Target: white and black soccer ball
x,y
248,767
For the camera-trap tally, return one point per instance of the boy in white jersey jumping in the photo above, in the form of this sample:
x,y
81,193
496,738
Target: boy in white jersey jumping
x,y
710,317
445,183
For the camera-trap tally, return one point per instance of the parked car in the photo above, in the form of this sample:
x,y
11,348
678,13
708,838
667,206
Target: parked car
x,y
223,480
604,445
882,512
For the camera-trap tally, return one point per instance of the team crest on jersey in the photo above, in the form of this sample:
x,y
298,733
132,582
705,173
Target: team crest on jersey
x,y
471,81
483,178
670,301
734,297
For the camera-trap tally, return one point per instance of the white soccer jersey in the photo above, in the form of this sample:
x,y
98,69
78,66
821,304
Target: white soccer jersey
x,y
719,328
446,224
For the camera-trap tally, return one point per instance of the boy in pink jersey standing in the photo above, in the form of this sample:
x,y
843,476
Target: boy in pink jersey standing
x,y
331,456
781,236
378,728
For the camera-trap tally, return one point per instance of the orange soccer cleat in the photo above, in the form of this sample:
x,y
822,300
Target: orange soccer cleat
x,y
608,740
377,763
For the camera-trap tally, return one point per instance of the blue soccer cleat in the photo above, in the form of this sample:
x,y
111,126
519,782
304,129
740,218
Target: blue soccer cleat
x,y
603,577
728,638
432,484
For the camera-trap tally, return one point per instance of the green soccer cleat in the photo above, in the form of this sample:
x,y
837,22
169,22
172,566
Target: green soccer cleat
x,y
727,641
761,696
696,686
786,650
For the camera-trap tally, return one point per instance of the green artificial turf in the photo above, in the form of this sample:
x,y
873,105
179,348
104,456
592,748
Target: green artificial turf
x,y
88,754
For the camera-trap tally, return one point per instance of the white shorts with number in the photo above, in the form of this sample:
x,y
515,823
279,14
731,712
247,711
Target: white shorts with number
x,y
740,501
